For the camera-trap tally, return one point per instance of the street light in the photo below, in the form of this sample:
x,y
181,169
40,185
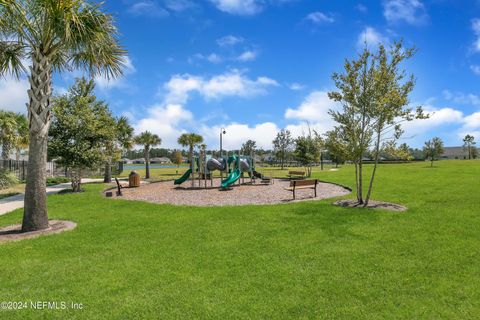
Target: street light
x,y
222,132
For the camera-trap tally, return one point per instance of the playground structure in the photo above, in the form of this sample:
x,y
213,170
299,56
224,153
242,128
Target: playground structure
x,y
234,166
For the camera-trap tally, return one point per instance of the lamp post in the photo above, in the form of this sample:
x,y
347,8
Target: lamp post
x,y
222,132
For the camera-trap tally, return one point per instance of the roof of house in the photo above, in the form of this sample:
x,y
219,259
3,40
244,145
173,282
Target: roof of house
x,y
454,152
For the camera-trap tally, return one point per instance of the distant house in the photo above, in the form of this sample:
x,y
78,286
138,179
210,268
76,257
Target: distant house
x,y
454,153
126,161
138,161
162,160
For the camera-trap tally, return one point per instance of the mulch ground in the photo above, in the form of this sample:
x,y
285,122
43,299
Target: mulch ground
x,y
14,233
245,194
372,205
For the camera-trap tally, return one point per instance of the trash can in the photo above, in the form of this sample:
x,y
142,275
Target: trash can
x,y
133,180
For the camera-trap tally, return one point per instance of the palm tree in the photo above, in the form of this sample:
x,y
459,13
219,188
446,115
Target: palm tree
x,y
54,35
8,132
147,140
190,140
22,134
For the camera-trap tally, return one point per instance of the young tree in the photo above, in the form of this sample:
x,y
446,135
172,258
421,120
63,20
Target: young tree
x,y
306,152
147,140
177,158
54,36
392,151
374,94
433,149
121,140
282,145
81,128
469,144
190,140
335,147
248,147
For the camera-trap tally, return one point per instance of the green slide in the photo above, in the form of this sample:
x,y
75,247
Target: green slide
x,y
232,177
183,178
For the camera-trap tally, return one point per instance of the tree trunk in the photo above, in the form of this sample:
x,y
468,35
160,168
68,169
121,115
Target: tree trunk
x,y
360,183
356,180
147,163
377,156
107,178
35,215
76,180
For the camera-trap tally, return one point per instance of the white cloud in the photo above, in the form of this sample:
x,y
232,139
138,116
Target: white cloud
x,y
462,98
445,120
212,57
296,86
231,83
238,7
237,133
147,8
475,69
409,11
247,56
371,38
476,31
320,18
361,8
13,94
229,41
314,108
166,121
179,5
472,121
106,84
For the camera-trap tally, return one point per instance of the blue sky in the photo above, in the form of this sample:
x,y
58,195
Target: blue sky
x,y
256,66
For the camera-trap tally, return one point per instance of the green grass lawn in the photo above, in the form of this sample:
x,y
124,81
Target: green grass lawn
x,y
129,260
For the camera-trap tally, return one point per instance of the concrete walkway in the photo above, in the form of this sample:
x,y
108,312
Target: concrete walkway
x,y
16,202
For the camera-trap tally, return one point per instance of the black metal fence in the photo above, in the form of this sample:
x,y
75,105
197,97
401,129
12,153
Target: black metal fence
x,y
19,168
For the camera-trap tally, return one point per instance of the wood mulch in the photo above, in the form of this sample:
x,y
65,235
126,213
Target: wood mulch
x,y
245,194
14,232
371,205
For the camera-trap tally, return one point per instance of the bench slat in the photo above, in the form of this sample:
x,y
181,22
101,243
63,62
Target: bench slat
x,y
299,183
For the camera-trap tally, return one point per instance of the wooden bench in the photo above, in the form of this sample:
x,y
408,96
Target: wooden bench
x,y
296,175
302,184
120,186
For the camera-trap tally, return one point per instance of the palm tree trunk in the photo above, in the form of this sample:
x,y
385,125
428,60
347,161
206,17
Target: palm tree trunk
x,y
6,148
147,163
35,215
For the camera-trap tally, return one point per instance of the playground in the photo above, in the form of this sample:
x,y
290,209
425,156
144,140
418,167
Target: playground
x,y
230,180
244,194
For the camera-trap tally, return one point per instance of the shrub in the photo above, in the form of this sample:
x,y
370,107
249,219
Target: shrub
x,y
7,179
57,180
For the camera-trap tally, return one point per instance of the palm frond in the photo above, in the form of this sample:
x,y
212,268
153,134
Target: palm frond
x,y
11,55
